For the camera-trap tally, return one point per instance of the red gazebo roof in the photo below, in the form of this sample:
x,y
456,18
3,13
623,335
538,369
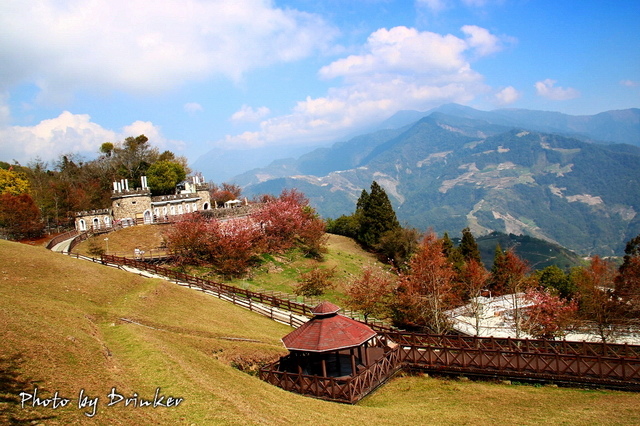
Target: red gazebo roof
x,y
327,331
325,308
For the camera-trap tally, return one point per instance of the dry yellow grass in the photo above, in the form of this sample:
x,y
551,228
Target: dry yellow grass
x,y
123,242
62,330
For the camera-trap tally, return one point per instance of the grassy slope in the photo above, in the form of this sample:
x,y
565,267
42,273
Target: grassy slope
x,y
344,256
124,241
279,273
61,330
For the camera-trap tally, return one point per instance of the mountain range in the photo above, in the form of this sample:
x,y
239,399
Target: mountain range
x,y
565,179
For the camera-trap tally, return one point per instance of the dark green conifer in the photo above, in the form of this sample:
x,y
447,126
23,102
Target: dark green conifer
x,y
468,246
377,217
498,278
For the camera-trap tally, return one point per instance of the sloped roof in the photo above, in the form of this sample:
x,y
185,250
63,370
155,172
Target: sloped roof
x,y
327,331
325,308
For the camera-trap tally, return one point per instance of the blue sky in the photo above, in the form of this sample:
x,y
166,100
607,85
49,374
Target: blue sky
x,y
197,75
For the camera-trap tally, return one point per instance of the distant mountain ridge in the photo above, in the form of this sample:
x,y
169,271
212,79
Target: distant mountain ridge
x,y
474,169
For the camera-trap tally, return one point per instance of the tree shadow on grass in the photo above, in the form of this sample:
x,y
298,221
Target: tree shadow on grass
x,y
11,384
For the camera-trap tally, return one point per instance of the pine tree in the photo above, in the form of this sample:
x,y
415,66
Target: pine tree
x,y
377,217
498,279
468,246
452,253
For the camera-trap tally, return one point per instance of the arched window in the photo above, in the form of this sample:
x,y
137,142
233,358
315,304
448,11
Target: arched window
x,y
187,207
173,210
107,222
147,217
82,225
96,223
180,209
156,212
205,206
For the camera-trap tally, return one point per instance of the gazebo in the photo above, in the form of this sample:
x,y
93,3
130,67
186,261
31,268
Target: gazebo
x,y
330,345
333,357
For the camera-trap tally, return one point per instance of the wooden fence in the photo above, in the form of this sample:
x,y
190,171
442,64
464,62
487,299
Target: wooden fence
x,y
256,301
613,365
237,295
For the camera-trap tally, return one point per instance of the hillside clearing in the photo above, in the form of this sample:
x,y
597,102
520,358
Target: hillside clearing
x,y
62,330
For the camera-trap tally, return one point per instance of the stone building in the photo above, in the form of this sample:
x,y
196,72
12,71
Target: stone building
x,y
131,206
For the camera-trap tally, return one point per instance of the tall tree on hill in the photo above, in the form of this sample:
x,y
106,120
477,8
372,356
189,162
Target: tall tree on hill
x,y
473,280
377,217
627,282
398,245
13,182
517,280
598,305
164,175
468,246
427,289
371,292
498,283
555,280
452,253
19,216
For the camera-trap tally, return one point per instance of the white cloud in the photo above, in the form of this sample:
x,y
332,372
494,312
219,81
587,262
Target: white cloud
x,y
482,40
398,68
70,133
547,89
629,83
193,107
142,46
507,96
402,49
248,114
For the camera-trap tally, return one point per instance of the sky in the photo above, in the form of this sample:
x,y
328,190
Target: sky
x,y
202,75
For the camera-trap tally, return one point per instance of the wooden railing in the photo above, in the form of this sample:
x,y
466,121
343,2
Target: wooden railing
x,y
60,238
348,389
237,295
614,365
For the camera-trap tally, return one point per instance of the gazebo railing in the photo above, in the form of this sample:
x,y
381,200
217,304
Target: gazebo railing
x,y
348,390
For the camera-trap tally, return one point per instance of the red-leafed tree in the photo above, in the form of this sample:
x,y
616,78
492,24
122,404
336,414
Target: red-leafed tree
x,y
224,193
230,247
427,289
189,240
236,244
370,294
598,306
627,283
549,316
515,273
473,279
288,221
19,216
311,238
